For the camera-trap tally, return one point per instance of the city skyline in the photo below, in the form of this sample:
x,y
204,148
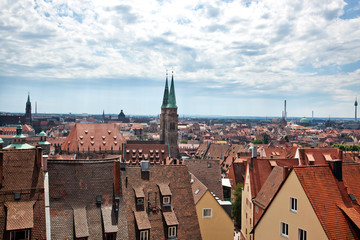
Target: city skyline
x,y
229,58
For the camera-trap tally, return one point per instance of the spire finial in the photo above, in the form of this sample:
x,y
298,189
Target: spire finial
x,y
166,92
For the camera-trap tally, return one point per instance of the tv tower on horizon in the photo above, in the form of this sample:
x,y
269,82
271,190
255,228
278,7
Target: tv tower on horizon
x,y
356,104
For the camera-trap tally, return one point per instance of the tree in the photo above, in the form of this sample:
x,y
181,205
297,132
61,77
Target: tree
x,y
257,141
183,141
287,138
266,138
236,210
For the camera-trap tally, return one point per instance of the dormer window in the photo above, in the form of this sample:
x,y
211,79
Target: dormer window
x,y
139,201
172,232
166,200
144,235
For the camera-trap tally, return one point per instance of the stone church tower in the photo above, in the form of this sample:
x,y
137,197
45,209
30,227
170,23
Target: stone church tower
x,y
28,118
169,119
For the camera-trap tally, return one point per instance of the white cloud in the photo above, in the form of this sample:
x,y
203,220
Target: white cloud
x,y
257,44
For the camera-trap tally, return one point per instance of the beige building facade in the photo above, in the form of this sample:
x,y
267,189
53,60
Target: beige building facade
x,y
290,215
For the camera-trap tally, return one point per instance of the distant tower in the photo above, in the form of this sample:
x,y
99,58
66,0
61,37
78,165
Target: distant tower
x,y
103,114
356,104
283,122
169,119
35,107
28,118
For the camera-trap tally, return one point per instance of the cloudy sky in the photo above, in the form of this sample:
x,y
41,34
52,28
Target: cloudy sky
x,y
234,58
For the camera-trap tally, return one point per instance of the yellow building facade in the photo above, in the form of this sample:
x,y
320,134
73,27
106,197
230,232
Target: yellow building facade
x,y
214,222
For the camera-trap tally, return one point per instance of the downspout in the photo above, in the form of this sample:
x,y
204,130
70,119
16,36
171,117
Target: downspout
x,y
47,205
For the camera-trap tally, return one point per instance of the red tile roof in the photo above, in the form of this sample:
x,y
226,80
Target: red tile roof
x,y
324,194
93,137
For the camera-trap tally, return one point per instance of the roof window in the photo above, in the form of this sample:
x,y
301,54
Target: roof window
x,y
86,131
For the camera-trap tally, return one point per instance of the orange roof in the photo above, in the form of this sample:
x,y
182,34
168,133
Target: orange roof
x,y
93,137
325,193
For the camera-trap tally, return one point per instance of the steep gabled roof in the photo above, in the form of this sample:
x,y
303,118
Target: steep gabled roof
x,y
325,196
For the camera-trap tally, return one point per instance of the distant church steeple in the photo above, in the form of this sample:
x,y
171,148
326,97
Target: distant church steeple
x,y
169,119
28,118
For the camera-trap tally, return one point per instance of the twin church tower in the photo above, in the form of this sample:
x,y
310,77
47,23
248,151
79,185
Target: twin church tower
x,y
169,119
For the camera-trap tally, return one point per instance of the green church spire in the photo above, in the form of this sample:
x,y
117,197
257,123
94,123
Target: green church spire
x,y
166,93
172,98
28,100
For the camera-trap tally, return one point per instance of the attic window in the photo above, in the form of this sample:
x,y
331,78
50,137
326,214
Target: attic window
x,y
192,180
151,151
157,151
104,143
98,199
162,151
82,143
352,197
81,137
103,137
209,165
127,150
134,151
140,201
197,191
17,196
166,200
109,132
86,131
115,143
140,150
92,143
92,137
115,137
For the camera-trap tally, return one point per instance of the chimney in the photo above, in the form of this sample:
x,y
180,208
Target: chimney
x,y
285,172
117,178
341,155
254,152
145,170
336,168
38,157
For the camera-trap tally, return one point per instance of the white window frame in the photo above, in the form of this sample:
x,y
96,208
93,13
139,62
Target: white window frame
x,y
284,229
172,232
207,216
144,235
293,204
302,234
166,200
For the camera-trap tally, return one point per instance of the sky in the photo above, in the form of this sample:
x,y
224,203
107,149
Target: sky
x,y
229,58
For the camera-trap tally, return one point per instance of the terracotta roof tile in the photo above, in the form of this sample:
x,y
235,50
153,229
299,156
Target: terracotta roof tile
x,y
80,222
164,189
142,220
20,215
198,188
324,194
170,218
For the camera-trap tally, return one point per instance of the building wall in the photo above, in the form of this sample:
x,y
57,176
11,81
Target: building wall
x,y
219,226
247,208
279,211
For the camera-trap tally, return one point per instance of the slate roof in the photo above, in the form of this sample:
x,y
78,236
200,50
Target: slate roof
x,y
208,172
74,185
93,137
182,204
